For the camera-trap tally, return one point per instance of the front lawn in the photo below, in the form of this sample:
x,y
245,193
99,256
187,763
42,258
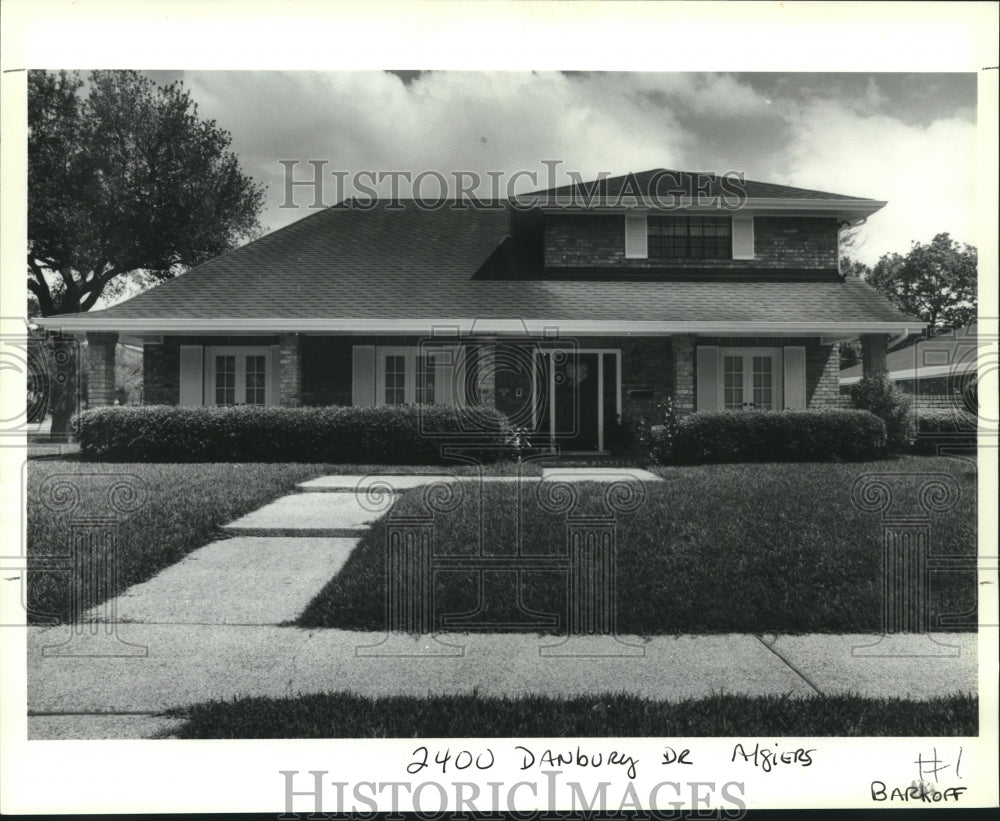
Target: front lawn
x,y
184,506
715,548
341,715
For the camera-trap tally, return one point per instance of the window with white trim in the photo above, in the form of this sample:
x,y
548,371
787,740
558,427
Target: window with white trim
x,y
750,379
411,375
238,376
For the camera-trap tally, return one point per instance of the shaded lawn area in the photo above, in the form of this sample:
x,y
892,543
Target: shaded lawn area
x,y
341,715
721,548
184,506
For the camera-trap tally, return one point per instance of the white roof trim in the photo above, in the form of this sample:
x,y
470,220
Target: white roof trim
x,y
82,323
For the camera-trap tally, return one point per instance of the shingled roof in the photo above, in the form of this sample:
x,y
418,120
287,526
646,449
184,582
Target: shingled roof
x,y
666,180
383,264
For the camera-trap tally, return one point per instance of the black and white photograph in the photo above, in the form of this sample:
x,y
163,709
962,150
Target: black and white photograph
x,y
385,430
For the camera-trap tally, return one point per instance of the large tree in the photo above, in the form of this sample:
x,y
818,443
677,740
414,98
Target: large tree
x,y
936,282
127,186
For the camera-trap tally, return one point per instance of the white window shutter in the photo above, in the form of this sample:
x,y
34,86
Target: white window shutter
x,y
272,385
363,376
444,375
461,373
707,386
743,238
635,236
191,382
795,377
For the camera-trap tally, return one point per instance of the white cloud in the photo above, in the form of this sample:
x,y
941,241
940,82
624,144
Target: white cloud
x,y
839,139
927,173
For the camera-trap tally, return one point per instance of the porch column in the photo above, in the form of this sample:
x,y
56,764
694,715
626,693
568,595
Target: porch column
x,y
682,347
100,364
289,371
873,350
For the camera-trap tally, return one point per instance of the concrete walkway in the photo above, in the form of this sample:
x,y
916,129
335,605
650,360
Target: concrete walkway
x,y
208,628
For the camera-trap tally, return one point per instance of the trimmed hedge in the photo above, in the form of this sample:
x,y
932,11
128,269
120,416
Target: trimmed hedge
x,y
783,436
408,434
948,427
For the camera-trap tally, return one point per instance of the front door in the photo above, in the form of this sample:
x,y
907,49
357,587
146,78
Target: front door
x,y
581,398
576,401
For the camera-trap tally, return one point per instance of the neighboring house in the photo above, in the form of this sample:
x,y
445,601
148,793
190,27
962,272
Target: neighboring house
x,y
938,373
566,315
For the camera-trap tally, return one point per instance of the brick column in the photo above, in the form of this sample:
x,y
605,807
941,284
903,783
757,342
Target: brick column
x,y
873,350
290,371
823,376
684,372
100,359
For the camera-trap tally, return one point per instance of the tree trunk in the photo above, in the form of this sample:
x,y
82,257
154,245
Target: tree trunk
x,y
64,382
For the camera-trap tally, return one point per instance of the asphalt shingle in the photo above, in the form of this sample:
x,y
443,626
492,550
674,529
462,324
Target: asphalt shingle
x,y
415,263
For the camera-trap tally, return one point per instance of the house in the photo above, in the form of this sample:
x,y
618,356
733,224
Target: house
x,y
567,310
938,373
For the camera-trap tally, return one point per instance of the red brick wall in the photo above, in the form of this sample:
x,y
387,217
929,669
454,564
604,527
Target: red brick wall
x,y
584,240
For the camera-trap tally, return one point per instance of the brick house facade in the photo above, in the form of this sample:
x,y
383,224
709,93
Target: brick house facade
x,y
567,317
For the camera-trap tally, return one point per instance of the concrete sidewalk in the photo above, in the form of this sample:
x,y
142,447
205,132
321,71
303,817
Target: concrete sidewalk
x,y
192,663
208,628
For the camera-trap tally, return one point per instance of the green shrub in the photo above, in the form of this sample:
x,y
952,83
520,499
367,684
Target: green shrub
x,y
945,426
785,436
882,396
658,432
410,434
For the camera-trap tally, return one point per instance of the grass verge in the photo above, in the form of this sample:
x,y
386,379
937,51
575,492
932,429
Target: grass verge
x,y
717,548
341,715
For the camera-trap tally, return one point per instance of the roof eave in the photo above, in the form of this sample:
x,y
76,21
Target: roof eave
x,y
847,209
80,324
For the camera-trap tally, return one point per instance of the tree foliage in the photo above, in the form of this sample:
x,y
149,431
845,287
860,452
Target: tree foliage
x,y
936,282
125,183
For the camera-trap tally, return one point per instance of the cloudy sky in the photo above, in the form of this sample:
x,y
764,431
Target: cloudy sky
x,y
906,138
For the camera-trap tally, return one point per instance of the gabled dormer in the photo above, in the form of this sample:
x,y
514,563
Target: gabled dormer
x,y
680,225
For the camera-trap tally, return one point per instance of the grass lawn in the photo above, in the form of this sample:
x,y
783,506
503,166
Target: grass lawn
x,y
720,548
184,506
340,715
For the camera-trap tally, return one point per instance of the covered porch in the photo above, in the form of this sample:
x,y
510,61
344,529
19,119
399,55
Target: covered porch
x,y
575,390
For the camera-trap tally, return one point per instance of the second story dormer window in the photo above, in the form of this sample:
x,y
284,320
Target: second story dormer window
x,y
689,237
680,237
